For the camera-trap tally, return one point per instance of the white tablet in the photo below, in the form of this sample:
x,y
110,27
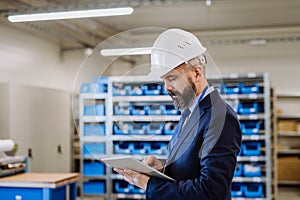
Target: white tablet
x,y
136,165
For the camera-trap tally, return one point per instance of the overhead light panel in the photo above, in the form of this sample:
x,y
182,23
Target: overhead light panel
x,y
71,14
126,51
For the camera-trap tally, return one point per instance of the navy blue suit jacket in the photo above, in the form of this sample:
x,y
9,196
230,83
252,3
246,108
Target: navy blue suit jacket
x,y
204,157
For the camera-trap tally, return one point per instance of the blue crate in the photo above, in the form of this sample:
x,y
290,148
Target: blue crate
x,y
90,149
247,108
233,88
169,128
121,90
94,130
122,187
137,128
250,127
121,110
102,83
237,189
253,190
238,170
252,170
138,109
93,168
251,149
121,129
87,88
250,88
156,110
171,110
158,148
155,128
92,110
94,187
136,91
122,148
152,89
138,148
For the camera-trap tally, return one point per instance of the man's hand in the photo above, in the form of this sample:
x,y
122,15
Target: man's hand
x,y
134,177
152,161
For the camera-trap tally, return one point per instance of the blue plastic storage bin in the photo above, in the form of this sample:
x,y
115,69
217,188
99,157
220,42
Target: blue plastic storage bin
x,y
138,110
238,170
152,89
250,127
93,168
94,187
155,128
252,88
158,148
102,83
233,88
137,128
90,149
251,148
121,129
94,130
136,91
171,110
92,110
237,189
121,110
121,90
247,108
122,187
169,128
253,190
88,88
164,91
156,110
252,170
122,148
139,148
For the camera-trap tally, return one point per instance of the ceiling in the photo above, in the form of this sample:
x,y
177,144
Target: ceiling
x,y
222,17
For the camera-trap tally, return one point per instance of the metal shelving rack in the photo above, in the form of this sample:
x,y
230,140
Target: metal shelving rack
x,y
264,136
286,137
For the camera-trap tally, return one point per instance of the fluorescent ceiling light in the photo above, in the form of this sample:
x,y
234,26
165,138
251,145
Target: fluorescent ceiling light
x,y
126,51
70,14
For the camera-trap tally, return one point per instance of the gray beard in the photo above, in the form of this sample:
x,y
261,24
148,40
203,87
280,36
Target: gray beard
x,y
188,95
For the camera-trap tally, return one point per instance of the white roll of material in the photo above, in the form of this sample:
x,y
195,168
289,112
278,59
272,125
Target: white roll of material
x,y
6,145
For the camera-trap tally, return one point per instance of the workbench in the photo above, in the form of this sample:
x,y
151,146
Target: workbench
x,y
39,186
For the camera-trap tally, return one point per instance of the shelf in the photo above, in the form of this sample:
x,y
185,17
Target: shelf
x,y
294,183
289,116
288,94
146,118
93,118
242,96
90,139
93,95
253,137
289,151
141,138
129,196
158,98
251,117
249,179
289,134
243,198
251,158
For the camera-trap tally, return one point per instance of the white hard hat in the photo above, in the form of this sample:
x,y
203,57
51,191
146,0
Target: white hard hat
x,y
172,48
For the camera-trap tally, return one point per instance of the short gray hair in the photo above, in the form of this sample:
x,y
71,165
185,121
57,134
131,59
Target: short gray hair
x,y
199,61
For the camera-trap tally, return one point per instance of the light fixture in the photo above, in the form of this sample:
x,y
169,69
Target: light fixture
x,y
70,14
126,51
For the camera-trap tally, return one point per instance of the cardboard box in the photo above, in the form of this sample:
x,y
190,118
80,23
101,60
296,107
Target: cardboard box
x,y
289,169
287,126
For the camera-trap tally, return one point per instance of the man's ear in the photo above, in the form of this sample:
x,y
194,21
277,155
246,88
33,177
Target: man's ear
x,y
198,73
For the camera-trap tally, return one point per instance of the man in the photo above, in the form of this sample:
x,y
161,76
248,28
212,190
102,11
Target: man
x,y
204,146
